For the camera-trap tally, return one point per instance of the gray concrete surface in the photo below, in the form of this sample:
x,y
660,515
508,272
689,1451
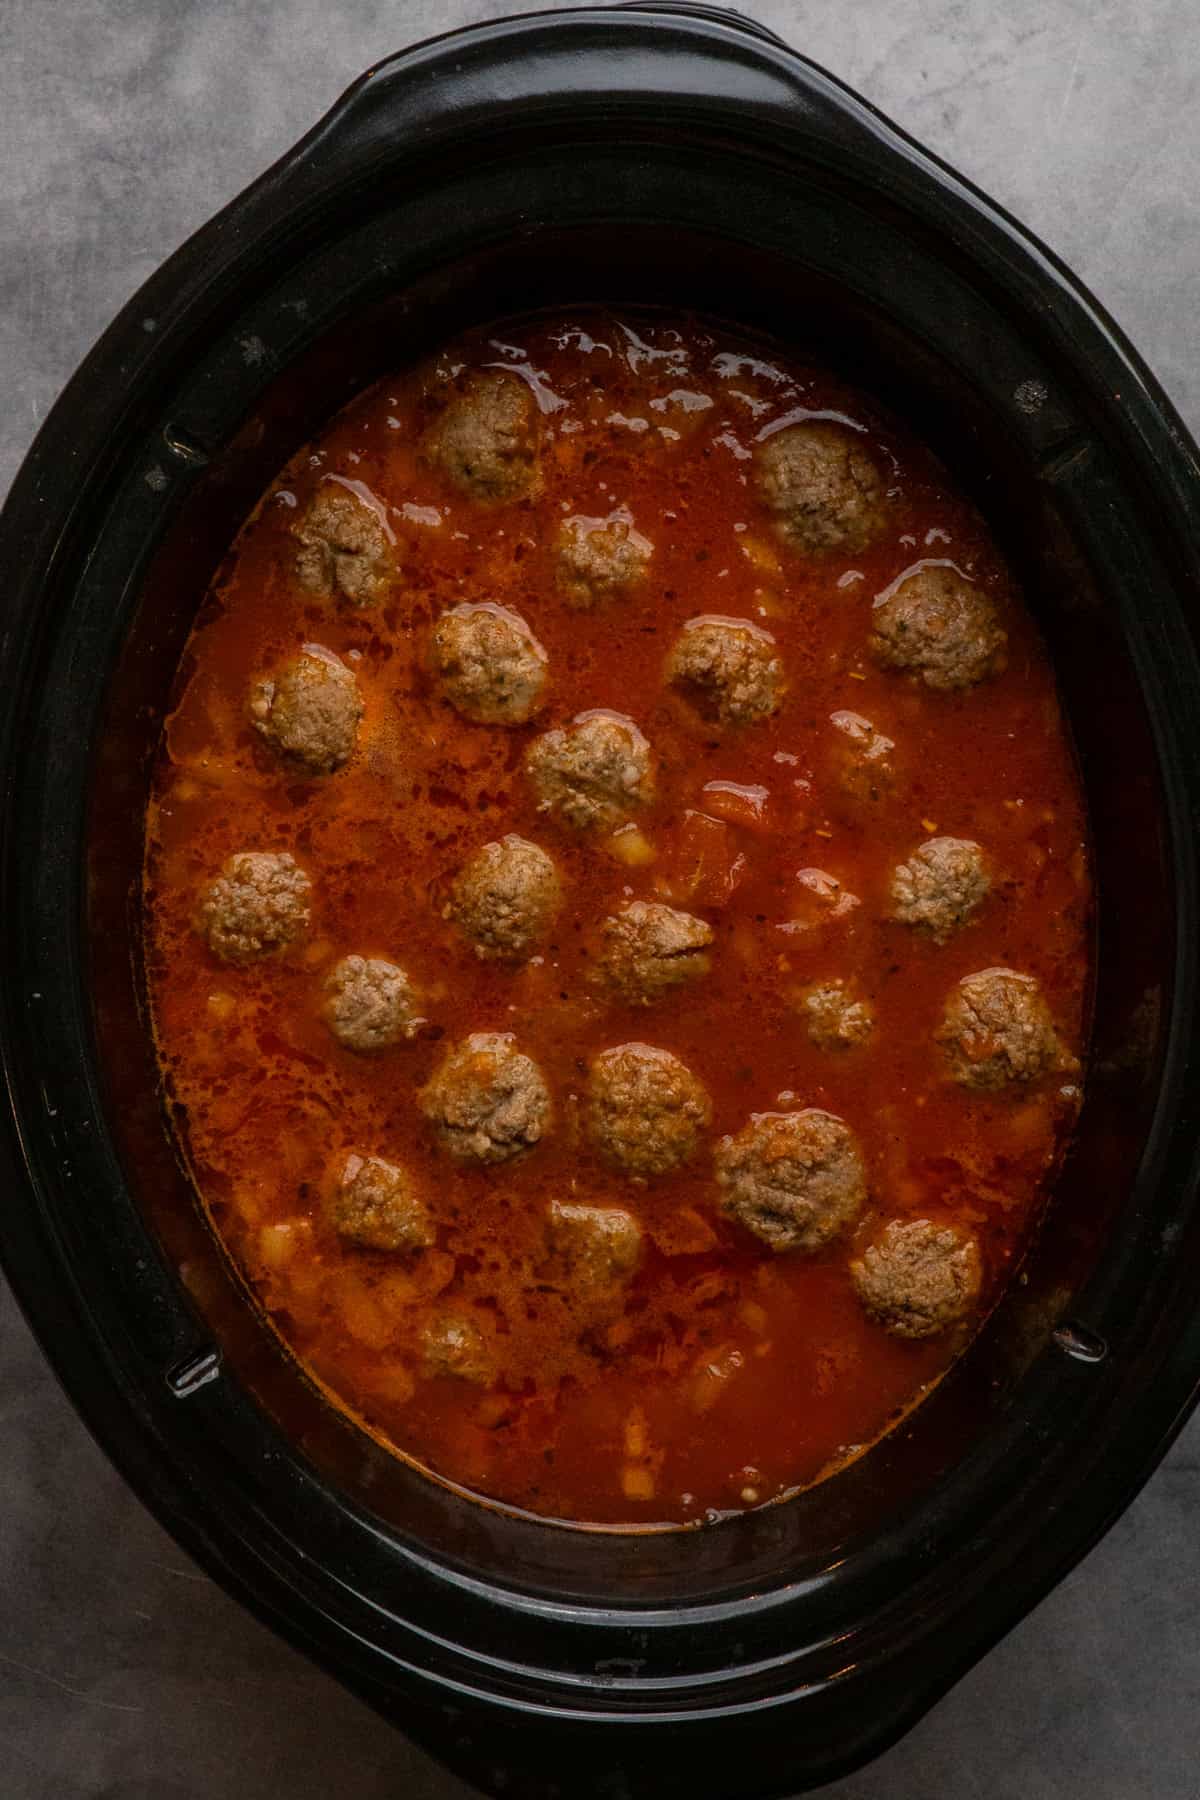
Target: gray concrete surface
x,y
124,1674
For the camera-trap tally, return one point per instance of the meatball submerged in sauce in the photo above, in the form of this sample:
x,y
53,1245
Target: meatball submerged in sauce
x,y
376,1206
727,669
822,486
308,711
370,1004
506,899
940,627
345,547
795,1180
650,951
917,1278
486,439
836,1018
646,1112
943,882
488,664
617,916
593,1248
596,773
997,1030
257,905
600,560
487,1102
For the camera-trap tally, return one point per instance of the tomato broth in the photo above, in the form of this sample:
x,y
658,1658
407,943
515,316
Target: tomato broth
x,y
718,1373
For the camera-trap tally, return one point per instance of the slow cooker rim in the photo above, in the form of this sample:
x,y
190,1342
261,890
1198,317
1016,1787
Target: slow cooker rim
x,y
122,341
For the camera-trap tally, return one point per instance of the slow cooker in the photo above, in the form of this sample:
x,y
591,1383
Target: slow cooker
x,y
670,154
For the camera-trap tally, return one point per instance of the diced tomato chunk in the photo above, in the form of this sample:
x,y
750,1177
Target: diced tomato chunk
x,y
745,806
818,899
685,1232
704,866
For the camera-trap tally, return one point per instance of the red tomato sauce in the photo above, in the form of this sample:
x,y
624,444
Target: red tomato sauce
x,y
724,1375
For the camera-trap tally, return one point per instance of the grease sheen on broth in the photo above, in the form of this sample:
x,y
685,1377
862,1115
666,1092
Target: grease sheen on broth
x,y
825,780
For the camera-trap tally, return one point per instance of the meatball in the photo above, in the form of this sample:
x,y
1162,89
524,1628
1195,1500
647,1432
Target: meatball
x,y
488,664
257,905
940,886
594,773
645,1110
309,711
600,560
596,1247
506,899
452,1344
487,1101
835,1019
727,669
485,440
649,951
374,1205
997,1029
795,1180
370,1003
918,1278
939,626
822,486
344,548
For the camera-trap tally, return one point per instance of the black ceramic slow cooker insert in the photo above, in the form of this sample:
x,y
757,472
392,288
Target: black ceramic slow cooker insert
x,y
673,155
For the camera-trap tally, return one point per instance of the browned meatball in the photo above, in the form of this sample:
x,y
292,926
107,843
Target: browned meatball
x,y
375,1205
600,560
345,548
485,440
943,882
862,759
258,904
488,664
370,1003
822,486
940,627
594,773
649,951
917,1279
506,899
452,1344
727,670
646,1111
835,1019
309,711
795,1180
997,1029
596,1247
487,1101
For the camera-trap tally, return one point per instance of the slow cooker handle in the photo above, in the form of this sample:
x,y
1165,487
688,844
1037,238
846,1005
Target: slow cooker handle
x,y
719,15
651,61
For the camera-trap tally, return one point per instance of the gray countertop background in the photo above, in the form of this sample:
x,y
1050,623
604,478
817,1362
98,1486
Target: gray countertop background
x,y
124,1673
